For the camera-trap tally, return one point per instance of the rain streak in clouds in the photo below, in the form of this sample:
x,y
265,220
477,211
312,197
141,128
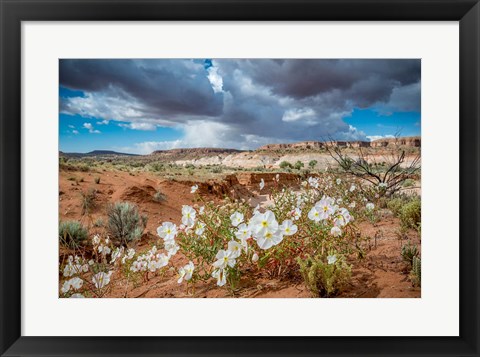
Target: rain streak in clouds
x,y
237,103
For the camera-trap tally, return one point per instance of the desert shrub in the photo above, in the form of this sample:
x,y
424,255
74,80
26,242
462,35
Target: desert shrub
x,y
157,166
312,163
325,276
72,234
410,214
286,165
88,200
395,205
159,196
409,251
232,240
189,166
97,180
298,165
408,183
124,222
416,273
216,169
99,222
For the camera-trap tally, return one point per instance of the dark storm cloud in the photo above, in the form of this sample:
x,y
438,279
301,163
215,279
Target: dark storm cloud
x,y
239,101
304,78
165,87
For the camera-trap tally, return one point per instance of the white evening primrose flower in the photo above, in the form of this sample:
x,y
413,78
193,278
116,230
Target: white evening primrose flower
x,y
243,232
255,257
224,259
288,228
188,216
300,202
194,189
171,247
116,253
338,181
96,239
221,276
136,266
269,238
297,213
331,259
181,275
130,253
101,279
236,218
313,182
66,287
235,248
352,188
68,271
370,206
325,207
189,268
262,184
186,272
200,228
105,250
167,231
382,185
314,214
77,296
341,217
76,283
256,209
262,222
162,260
336,231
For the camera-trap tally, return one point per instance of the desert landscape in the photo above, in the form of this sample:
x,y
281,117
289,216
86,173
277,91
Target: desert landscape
x,y
158,225
239,178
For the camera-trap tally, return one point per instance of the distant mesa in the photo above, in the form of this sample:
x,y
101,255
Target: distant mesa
x,y
200,151
191,153
94,153
413,141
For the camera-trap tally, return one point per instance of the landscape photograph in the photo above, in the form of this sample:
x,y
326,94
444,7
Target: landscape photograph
x,y
239,178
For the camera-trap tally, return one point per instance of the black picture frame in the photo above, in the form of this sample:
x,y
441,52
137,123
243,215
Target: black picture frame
x,y
13,12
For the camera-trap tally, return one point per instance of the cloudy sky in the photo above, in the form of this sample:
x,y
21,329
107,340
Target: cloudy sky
x,y
139,106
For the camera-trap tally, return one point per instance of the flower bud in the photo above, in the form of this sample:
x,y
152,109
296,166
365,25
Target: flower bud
x,y
255,257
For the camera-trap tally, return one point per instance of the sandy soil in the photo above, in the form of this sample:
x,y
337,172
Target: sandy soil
x,y
380,274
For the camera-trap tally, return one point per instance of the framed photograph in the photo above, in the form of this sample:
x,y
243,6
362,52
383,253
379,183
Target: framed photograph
x,y
248,178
